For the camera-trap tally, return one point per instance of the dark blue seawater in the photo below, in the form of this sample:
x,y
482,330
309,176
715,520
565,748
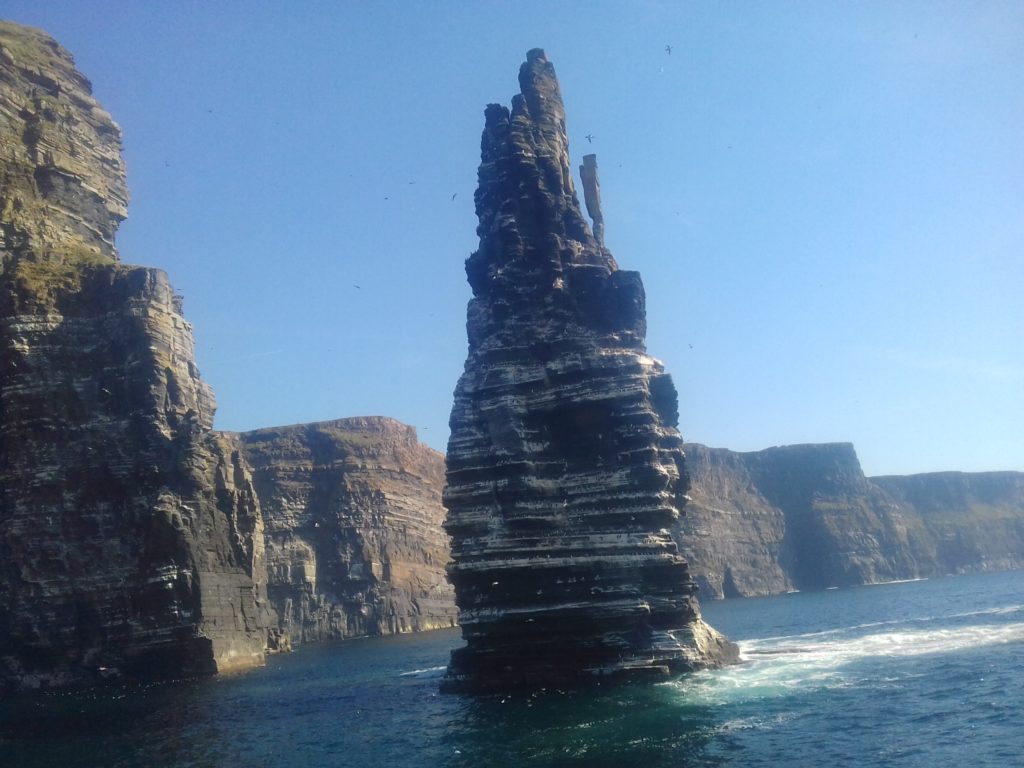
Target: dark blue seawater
x,y
927,673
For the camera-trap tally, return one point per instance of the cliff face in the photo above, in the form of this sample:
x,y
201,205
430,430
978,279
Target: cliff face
x,y
974,521
565,469
806,517
731,534
130,536
353,528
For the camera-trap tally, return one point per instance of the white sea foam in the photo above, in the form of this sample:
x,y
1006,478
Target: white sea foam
x,y
1000,611
426,672
778,666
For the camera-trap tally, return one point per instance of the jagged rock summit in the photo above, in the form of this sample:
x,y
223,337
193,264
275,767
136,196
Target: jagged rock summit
x,y
565,469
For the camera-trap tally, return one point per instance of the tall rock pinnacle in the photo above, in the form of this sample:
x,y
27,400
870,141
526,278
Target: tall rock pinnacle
x,y
565,468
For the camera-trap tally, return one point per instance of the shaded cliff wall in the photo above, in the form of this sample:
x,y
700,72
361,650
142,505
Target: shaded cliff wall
x,y
353,528
806,517
130,536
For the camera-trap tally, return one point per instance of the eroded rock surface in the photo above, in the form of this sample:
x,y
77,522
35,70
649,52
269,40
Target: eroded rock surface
x,y
62,178
130,537
353,528
565,468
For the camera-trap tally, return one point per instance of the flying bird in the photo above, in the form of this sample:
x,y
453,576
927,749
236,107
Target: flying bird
x,y
668,49
590,138
453,196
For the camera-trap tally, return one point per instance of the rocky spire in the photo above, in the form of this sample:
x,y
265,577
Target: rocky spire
x,y
531,228
565,469
592,195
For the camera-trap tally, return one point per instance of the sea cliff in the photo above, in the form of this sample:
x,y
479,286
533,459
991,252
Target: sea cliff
x,y
131,537
354,544
806,517
135,541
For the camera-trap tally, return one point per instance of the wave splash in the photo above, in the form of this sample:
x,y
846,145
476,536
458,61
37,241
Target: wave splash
x,y
1005,610
780,666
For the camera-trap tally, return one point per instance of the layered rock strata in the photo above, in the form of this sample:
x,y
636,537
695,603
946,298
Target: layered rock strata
x,y
805,517
130,536
353,528
565,469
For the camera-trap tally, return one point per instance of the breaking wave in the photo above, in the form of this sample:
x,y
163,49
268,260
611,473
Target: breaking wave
x,y
780,666
1007,610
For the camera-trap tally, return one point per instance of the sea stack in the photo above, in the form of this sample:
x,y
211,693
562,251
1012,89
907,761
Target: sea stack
x,y
565,468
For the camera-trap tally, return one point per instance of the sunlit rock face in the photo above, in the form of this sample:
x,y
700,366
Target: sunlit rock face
x,y
131,541
353,528
565,469
973,521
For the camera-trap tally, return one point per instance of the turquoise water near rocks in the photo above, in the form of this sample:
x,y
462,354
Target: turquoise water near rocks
x,y
927,673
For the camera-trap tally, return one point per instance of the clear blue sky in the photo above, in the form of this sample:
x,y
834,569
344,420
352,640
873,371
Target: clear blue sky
x,y
825,201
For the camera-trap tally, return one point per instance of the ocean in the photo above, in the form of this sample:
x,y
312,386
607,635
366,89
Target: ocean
x,y
924,673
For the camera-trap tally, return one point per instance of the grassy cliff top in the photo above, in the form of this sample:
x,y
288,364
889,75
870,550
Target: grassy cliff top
x,y
63,189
